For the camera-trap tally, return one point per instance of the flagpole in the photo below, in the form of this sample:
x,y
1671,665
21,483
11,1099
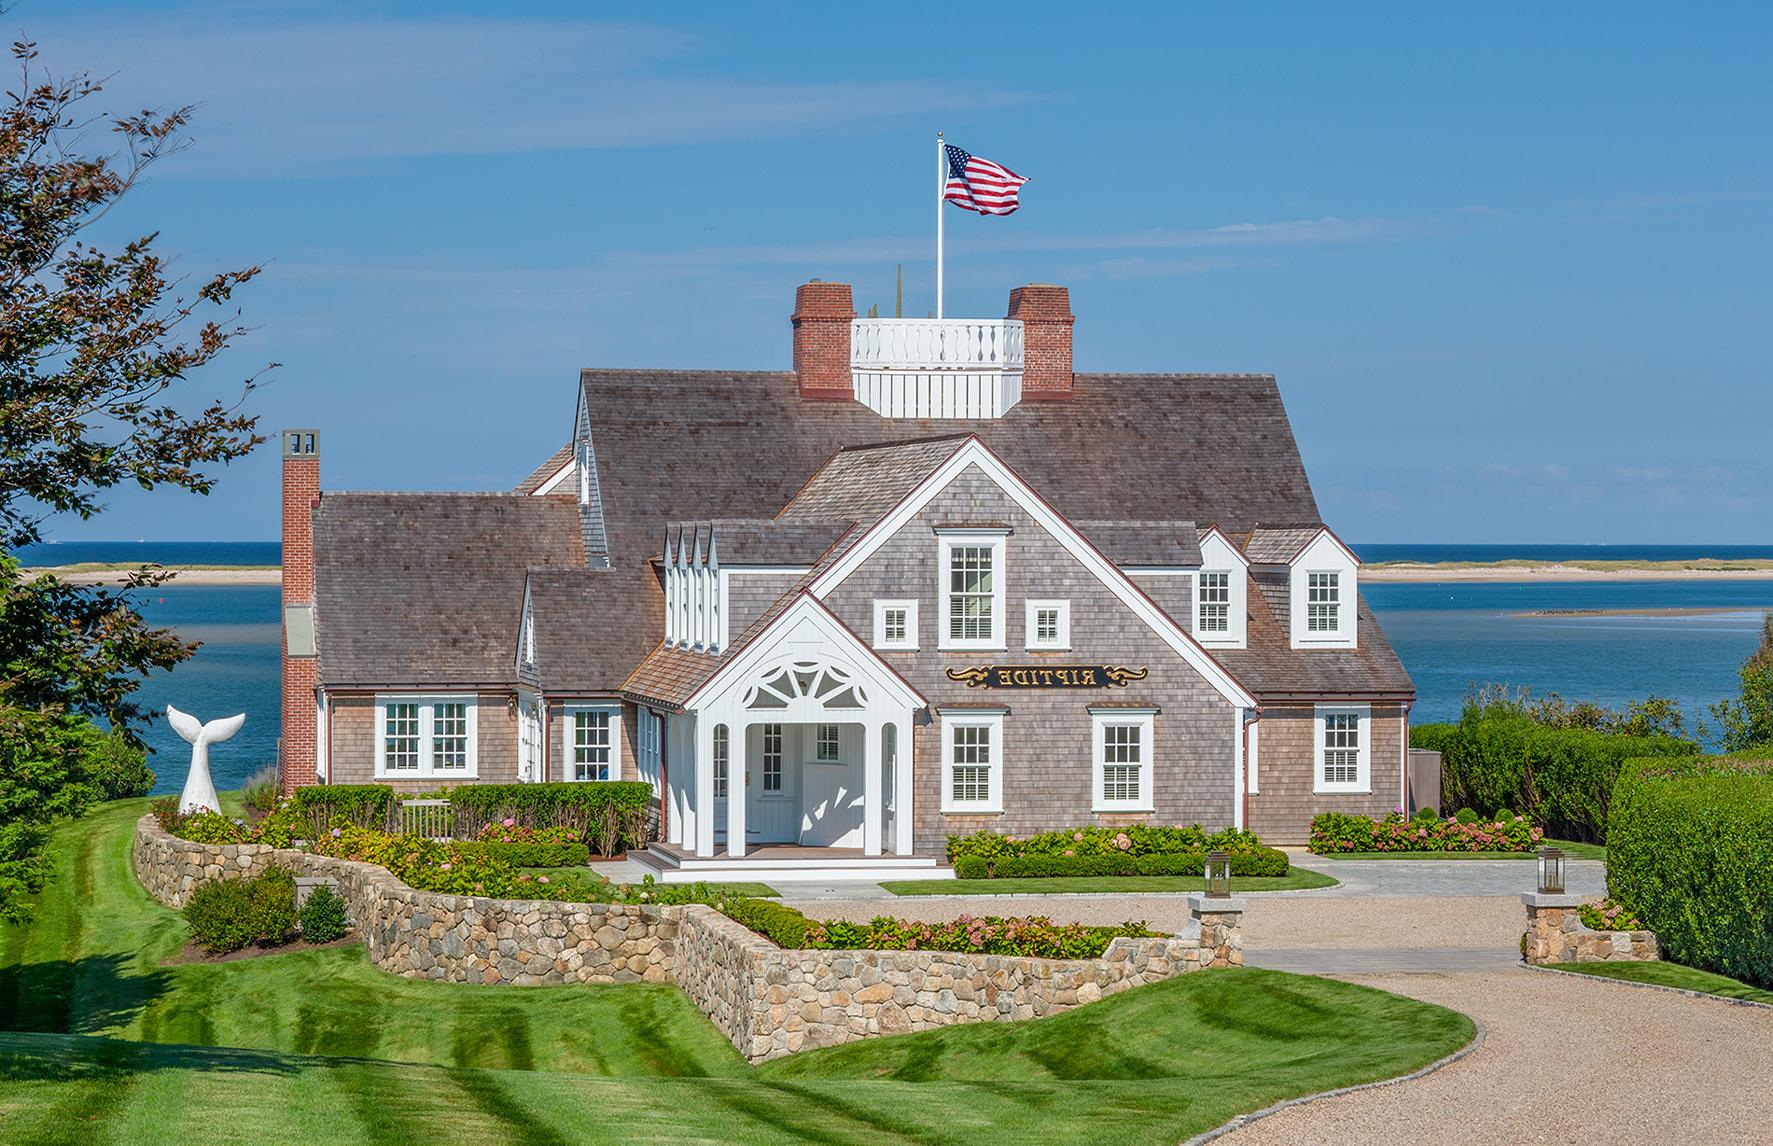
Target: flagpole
x,y
941,184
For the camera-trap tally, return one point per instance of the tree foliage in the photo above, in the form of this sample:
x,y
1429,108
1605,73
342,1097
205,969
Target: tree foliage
x,y
1747,722
93,346
1652,716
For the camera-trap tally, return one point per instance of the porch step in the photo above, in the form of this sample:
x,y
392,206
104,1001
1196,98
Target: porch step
x,y
669,867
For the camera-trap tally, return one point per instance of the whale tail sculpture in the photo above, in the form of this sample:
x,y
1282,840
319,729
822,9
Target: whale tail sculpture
x,y
199,788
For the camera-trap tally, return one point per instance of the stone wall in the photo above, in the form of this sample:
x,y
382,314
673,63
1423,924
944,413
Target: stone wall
x,y
767,1000
1556,934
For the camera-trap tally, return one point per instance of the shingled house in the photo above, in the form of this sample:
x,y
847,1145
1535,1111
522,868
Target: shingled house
x,y
929,581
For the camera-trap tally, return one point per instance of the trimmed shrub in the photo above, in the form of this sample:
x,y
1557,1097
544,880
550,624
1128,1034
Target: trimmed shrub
x,y
1465,816
1267,862
611,817
528,854
1690,852
780,924
1560,778
228,914
361,805
323,915
1429,814
1134,839
1034,935
1333,833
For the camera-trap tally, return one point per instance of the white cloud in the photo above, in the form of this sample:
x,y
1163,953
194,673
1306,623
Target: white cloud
x,y
279,96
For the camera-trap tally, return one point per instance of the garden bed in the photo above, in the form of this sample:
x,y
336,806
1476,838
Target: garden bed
x,y
1135,850
192,953
1337,834
1298,879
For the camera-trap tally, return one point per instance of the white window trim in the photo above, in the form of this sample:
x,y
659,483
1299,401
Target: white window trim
x,y
1363,784
881,605
1312,634
973,717
566,741
1201,632
427,727
1145,719
1031,631
836,756
947,541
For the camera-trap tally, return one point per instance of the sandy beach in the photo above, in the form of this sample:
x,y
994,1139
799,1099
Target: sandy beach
x,y
82,575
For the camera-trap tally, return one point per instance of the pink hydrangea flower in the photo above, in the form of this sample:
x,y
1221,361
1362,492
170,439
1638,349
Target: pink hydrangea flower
x,y
1121,841
509,822
444,866
541,879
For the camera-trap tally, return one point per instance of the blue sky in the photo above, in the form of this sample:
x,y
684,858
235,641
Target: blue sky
x,y
1510,264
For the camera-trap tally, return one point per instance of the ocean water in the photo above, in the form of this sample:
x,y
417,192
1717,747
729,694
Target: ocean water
x,y
1451,636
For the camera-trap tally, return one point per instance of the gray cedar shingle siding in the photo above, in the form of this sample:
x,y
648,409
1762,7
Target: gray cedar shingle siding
x,y
1048,749
352,744
1281,811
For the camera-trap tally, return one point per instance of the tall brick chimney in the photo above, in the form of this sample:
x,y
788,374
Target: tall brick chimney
x,y
822,316
1045,311
301,493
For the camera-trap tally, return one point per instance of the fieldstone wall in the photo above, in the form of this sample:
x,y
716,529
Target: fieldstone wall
x,y
1556,934
767,1000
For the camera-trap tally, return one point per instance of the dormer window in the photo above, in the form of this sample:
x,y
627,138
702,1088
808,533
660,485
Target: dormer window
x,y
1323,602
1215,602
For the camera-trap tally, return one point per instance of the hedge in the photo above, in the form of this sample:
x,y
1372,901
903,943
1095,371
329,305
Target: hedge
x,y
228,914
1094,840
1267,862
1560,778
365,805
613,816
782,925
1690,851
528,855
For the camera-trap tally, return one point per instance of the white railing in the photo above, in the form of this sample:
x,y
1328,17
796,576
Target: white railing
x,y
982,344
433,819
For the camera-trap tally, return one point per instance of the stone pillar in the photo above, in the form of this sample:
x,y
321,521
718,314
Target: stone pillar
x,y
822,316
1045,313
1556,934
737,787
1221,929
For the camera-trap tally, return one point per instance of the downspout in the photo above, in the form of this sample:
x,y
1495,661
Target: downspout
x,y
1404,779
1246,792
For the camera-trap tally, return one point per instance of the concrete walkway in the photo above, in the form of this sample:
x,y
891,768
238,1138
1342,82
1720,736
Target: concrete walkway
x,y
1445,877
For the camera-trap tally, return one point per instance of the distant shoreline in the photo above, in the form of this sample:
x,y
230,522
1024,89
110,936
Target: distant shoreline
x,y
1706,569
94,573
1524,572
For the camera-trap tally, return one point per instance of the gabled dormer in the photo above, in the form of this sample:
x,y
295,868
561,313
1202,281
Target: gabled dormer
x,y
1323,583
1221,593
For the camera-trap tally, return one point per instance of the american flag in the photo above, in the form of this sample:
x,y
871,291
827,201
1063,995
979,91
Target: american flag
x,y
981,185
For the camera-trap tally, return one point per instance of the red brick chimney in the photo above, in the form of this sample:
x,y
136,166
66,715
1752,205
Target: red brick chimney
x,y
301,493
1045,311
822,316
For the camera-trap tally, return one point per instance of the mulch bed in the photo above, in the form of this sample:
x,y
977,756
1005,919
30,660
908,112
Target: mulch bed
x,y
191,953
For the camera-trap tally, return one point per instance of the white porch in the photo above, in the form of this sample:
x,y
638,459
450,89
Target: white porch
x,y
803,740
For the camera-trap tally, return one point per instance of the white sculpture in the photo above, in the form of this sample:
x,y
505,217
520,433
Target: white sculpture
x,y
199,788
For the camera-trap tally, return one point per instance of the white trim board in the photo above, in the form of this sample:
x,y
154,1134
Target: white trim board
x,y
974,452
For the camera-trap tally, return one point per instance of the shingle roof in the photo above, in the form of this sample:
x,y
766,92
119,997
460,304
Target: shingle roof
x,y
390,567
864,483
1145,544
1279,544
556,461
578,650
1272,669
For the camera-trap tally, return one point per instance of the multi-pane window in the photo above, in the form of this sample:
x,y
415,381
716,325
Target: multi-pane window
x,y
1215,603
1342,749
772,757
893,627
593,754
826,750
449,736
425,736
1123,755
1046,624
970,764
895,624
400,737
722,758
971,599
1323,602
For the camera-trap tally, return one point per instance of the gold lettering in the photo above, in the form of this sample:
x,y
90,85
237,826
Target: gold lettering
x,y
1089,678
1003,678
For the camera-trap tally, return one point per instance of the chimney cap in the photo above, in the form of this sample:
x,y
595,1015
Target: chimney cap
x,y
301,443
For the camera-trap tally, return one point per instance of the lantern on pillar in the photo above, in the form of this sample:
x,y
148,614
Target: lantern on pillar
x,y
1218,875
1551,871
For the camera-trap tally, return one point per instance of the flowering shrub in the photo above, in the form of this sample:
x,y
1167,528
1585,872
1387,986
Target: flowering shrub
x,y
1134,839
1608,915
522,846
1333,832
433,865
991,935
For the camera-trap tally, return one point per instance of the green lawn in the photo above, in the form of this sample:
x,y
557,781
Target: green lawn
x,y
1674,975
100,1042
1295,880
1574,849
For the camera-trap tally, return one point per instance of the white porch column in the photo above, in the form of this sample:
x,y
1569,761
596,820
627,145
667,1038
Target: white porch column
x,y
902,811
737,786
701,794
872,787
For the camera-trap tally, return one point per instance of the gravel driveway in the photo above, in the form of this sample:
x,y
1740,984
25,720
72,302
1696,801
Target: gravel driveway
x,y
1564,1059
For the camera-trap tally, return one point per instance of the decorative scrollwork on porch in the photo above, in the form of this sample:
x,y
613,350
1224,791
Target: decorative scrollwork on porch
x,y
785,684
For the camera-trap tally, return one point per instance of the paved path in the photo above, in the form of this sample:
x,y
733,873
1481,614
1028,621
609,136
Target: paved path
x,y
1565,1059
1364,960
1446,877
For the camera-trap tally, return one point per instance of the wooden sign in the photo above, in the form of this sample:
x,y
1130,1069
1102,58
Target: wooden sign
x,y
1048,676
